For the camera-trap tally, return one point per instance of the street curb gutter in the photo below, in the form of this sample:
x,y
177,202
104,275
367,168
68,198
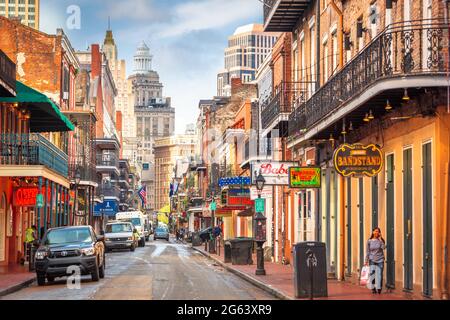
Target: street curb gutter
x,y
269,289
17,287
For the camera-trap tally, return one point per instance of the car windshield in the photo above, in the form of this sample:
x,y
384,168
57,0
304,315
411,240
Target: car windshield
x,y
64,236
134,221
118,228
161,230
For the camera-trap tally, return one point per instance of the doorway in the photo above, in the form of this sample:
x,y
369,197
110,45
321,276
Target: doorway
x,y
407,219
390,223
427,221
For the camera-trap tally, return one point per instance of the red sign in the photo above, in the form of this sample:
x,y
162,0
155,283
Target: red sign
x,y
25,196
240,201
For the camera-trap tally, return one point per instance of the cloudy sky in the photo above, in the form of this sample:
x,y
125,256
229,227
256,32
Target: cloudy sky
x,y
186,37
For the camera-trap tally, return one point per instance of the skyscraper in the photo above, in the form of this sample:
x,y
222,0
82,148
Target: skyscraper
x,y
26,10
246,51
155,117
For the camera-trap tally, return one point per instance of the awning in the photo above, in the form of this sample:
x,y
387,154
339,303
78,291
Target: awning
x,y
45,114
250,212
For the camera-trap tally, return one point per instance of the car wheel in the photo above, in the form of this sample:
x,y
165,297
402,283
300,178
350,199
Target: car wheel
x,y
101,270
95,274
50,279
40,279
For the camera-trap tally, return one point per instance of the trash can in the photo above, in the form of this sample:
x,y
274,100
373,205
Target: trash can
x,y
241,251
196,241
310,270
227,251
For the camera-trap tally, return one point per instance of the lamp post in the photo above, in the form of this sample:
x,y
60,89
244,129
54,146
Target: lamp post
x,y
213,207
260,226
102,210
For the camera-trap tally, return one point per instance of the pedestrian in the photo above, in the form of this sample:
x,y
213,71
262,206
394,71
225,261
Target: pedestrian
x,y
30,238
375,259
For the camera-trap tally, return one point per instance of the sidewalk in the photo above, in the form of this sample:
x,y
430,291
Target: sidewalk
x,y
279,281
14,278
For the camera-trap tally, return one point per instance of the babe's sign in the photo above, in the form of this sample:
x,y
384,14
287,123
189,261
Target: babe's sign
x,y
275,173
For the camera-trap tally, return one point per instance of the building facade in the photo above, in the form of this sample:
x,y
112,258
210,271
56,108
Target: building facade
x,y
371,72
247,49
27,11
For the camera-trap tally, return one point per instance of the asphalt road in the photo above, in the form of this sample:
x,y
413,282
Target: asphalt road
x,y
159,271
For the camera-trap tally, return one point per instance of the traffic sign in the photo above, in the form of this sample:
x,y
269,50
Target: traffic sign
x,y
39,200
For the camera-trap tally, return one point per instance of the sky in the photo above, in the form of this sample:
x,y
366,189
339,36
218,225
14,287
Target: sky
x,y
186,37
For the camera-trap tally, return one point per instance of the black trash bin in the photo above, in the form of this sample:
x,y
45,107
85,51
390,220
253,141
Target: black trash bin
x,y
227,251
310,257
241,251
196,241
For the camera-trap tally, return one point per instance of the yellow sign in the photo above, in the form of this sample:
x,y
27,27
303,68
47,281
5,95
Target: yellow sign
x,y
357,160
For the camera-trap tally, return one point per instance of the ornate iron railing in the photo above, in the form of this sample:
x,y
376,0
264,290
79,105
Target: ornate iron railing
x,y
107,160
401,50
7,71
87,170
32,149
108,191
281,101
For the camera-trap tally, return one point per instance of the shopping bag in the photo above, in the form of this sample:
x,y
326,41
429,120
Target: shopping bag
x,y
365,274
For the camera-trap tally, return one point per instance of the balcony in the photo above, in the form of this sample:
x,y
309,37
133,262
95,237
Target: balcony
x,y
87,172
32,150
282,15
276,109
404,56
7,76
108,191
108,162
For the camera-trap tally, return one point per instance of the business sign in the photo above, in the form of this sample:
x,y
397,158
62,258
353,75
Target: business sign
x,y
237,198
107,208
260,205
305,177
25,196
234,181
358,160
266,193
275,173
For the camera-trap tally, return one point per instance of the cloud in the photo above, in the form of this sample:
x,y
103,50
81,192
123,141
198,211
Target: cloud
x,y
209,14
135,10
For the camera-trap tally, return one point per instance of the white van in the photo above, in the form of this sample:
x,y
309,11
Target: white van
x,y
137,218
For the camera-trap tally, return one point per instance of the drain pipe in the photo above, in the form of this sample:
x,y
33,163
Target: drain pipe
x,y
444,290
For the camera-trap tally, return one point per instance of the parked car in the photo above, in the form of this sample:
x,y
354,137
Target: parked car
x,y
120,235
62,248
205,234
162,233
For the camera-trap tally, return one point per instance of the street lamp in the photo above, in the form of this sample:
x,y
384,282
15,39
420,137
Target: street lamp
x,y
75,204
260,220
102,210
213,208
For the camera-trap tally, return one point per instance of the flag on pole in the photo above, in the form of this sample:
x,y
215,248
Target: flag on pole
x,y
143,195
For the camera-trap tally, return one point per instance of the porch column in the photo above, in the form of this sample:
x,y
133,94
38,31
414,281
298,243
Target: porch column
x,y
51,204
60,206
66,206
38,222
57,199
46,205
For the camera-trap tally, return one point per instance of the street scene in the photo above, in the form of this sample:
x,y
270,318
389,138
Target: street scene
x,y
238,150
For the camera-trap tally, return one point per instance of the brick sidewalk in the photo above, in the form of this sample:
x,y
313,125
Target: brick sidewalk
x,y
279,280
14,278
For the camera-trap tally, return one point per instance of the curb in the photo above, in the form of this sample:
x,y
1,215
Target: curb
x,y
17,287
269,289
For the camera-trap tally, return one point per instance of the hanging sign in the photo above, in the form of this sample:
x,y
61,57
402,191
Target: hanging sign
x,y
358,160
260,205
25,196
275,173
40,200
237,198
305,177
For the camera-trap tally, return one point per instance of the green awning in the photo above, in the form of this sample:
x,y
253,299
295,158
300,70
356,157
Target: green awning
x,y
45,114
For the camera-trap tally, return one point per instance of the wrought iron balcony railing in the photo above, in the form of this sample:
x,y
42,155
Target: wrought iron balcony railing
x,y
87,171
107,160
282,15
412,48
108,191
30,150
7,73
281,101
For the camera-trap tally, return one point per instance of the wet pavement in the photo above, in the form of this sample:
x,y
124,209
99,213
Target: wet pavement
x,y
159,271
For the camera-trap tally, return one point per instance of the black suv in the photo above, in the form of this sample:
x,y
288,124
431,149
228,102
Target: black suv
x,y
63,249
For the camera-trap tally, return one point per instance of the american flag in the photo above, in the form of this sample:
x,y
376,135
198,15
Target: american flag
x,y
143,195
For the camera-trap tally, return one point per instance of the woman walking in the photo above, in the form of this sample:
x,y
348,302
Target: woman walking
x,y
375,259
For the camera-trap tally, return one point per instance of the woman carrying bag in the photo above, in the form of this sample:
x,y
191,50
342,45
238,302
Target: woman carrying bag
x,y
375,259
